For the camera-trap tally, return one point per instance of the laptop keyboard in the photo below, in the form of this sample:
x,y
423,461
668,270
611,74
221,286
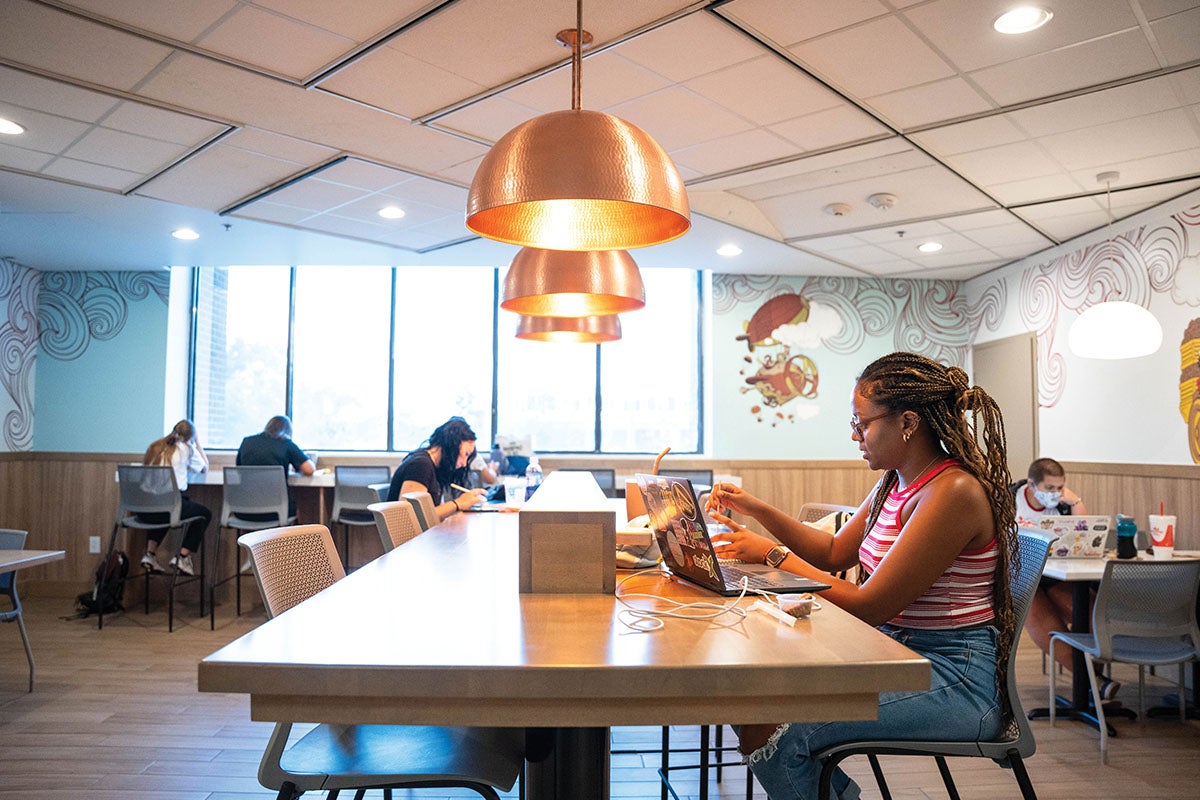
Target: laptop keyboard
x,y
734,574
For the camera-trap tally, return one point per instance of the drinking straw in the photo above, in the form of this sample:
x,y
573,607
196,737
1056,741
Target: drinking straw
x,y
1161,508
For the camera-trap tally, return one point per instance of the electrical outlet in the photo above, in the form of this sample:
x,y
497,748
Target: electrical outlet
x,y
93,544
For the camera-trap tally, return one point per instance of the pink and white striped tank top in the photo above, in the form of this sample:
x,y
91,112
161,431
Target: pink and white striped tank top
x,y
962,596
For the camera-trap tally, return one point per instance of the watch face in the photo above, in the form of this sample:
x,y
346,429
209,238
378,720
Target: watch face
x,y
776,556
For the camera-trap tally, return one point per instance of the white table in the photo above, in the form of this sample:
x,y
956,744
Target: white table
x,y
13,560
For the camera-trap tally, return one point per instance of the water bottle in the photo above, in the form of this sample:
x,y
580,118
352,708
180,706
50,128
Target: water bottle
x,y
1126,537
533,477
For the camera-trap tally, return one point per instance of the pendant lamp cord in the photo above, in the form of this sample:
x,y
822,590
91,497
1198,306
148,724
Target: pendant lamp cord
x,y
577,59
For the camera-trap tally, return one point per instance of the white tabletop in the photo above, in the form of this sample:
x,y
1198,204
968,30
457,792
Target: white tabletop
x,y
1092,569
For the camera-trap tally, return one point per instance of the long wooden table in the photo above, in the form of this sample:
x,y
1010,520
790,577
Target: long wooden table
x,y
435,632
13,560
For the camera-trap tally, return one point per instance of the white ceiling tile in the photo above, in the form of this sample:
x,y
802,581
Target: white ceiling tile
x,y
837,126
363,175
276,43
932,102
218,177
825,170
91,174
874,58
1098,108
732,152
44,133
965,223
461,173
608,79
169,126
765,90
1034,189
488,119
282,148
865,254
366,18
1126,140
342,226
315,195
689,47
33,35
1145,170
433,193
272,212
787,22
415,214
1083,65
1156,9
667,117
124,150
1015,234
916,231
53,97
1178,36
184,23
396,81
20,158
965,137
1004,164
962,29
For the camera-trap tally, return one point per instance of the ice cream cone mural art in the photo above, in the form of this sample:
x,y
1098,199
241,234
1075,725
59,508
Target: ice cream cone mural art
x,y
1189,381
782,325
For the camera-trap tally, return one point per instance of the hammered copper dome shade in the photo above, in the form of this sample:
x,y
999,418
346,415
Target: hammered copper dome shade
x,y
572,283
585,330
578,180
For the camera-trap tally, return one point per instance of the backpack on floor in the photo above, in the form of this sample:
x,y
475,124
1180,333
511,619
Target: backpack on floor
x,y
111,576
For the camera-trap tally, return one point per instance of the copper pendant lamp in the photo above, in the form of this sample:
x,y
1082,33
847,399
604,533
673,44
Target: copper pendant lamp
x,y
584,330
572,283
578,180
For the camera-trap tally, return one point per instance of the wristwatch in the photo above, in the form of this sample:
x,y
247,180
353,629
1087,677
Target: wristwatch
x,y
776,555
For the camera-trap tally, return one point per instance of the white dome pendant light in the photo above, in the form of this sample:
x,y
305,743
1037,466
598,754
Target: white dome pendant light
x,y
1114,329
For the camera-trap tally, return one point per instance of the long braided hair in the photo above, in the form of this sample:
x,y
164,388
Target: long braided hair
x,y
942,396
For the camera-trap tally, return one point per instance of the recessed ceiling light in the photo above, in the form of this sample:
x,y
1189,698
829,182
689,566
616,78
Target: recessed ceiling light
x,y
187,234
729,250
1022,19
10,127
391,212
929,247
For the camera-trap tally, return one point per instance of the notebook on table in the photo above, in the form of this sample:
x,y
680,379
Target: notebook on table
x,y
1078,536
683,537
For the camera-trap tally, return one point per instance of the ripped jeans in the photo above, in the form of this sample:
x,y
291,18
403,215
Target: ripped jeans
x,y
962,704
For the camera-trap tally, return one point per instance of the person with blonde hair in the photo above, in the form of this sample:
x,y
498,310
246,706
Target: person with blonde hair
x,y
934,541
181,451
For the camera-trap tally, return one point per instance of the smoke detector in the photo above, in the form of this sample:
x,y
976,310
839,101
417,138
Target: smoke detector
x,y
882,200
838,209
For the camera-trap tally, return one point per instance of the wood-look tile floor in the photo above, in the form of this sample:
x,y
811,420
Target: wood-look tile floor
x,y
116,715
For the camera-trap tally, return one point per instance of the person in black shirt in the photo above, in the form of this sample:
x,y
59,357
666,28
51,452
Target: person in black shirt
x,y
274,446
441,460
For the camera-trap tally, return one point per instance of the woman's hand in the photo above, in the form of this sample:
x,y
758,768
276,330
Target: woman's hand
x,y
468,499
738,542
726,497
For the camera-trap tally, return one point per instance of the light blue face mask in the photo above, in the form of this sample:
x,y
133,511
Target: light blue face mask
x,y
1047,499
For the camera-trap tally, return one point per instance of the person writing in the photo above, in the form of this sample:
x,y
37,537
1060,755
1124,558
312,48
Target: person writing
x,y
1044,491
180,451
440,461
274,446
934,540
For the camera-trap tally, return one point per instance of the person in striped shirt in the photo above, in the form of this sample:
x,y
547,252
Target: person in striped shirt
x,y
934,540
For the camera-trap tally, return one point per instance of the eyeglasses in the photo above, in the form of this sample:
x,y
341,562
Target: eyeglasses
x,y
858,426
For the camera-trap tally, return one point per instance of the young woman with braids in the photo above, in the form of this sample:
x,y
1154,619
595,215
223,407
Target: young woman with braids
x,y
934,540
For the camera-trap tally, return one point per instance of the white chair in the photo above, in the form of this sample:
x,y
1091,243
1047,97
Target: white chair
x,y
354,490
254,499
15,540
397,522
815,512
293,564
422,503
152,490
1145,613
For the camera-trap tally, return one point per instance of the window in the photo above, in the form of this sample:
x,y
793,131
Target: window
x,y
241,336
340,357
452,352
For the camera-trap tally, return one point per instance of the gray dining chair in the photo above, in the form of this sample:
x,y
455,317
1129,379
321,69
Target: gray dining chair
x,y
11,539
353,491
1015,742
1144,614
254,499
152,490
291,565
397,522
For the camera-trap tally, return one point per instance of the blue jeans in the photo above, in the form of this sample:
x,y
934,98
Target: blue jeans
x,y
962,704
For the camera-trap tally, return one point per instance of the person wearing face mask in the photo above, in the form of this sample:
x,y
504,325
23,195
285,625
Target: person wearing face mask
x,y
1045,492
443,459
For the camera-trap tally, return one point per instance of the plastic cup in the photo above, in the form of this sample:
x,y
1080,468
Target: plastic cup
x,y
514,490
1162,535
